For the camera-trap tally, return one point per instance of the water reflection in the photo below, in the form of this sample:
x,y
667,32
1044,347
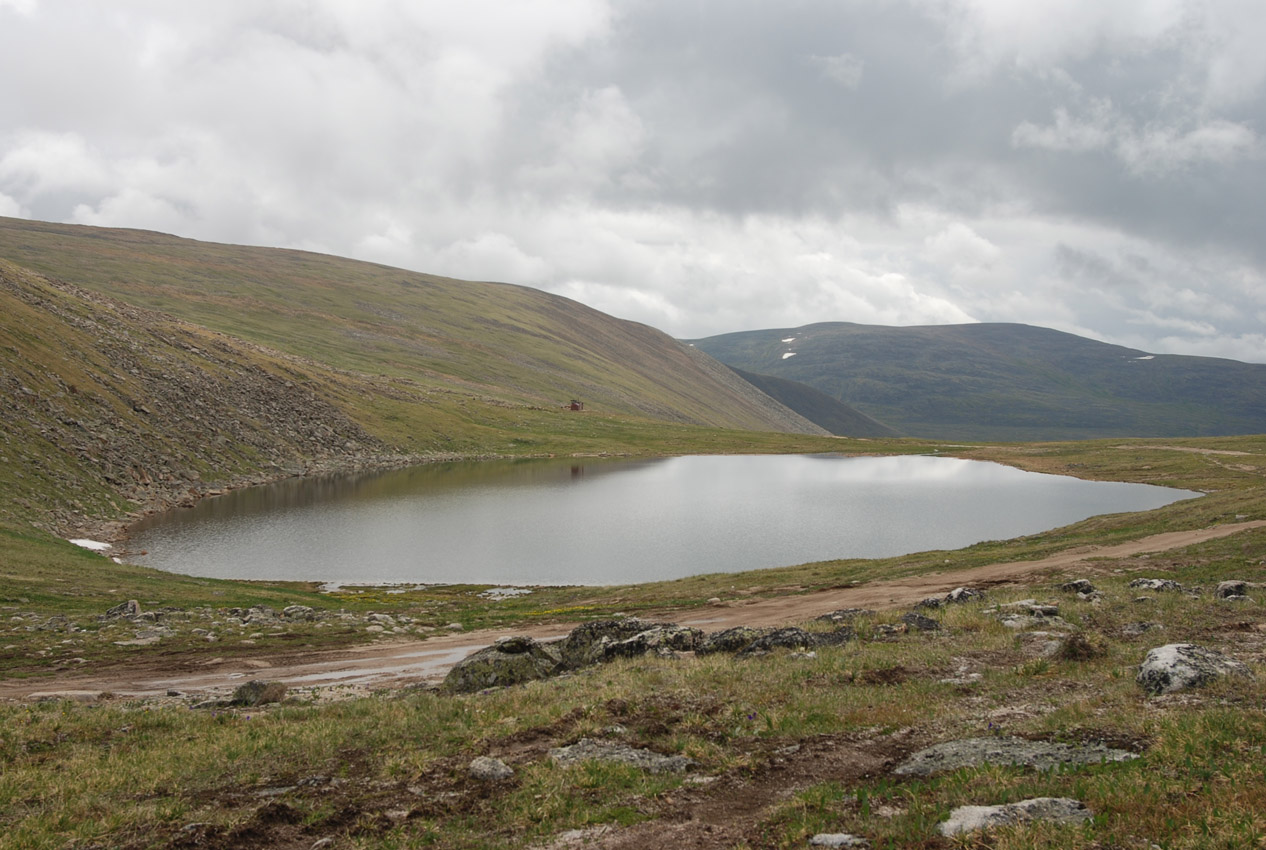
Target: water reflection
x,y
601,521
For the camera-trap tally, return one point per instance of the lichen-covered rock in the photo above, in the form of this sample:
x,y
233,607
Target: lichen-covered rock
x,y
1054,809
844,615
730,640
1077,586
796,639
1231,589
129,610
839,839
588,749
258,692
930,603
587,643
509,662
1179,666
660,640
1156,584
960,595
974,752
919,623
298,612
745,640
488,769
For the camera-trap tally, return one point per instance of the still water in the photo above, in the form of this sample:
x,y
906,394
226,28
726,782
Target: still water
x,y
596,521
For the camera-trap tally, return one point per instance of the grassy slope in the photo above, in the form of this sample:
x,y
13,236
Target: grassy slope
x,y
787,747
1006,382
818,407
503,342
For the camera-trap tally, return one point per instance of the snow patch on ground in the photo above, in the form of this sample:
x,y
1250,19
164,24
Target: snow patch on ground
x,y
788,354
790,339
1146,357
94,545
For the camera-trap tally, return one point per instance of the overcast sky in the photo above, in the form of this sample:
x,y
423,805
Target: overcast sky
x,y
1089,165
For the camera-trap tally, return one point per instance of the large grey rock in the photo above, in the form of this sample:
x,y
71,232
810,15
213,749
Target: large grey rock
x,y
1231,589
588,642
1179,666
960,595
839,839
258,692
665,640
797,639
587,749
1156,584
508,662
128,609
919,623
488,769
974,752
731,640
745,640
1056,809
1078,586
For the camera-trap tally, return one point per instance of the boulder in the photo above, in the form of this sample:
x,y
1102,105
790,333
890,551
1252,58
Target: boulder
x,y
730,640
930,603
1077,586
839,839
1156,584
588,749
508,662
587,643
964,594
1180,666
258,692
745,640
974,752
1231,589
843,615
298,612
1055,809
487,769
918,622
660,640
129,609
796,639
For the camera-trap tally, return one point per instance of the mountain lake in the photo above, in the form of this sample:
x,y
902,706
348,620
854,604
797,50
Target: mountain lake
x,y
607,521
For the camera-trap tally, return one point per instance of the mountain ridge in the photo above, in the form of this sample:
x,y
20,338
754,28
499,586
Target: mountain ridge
x,y
999,381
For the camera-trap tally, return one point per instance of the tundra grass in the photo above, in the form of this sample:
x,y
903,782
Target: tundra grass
x,y
390,770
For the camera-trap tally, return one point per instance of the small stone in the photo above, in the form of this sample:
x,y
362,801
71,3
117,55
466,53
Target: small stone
x,y
456,627
1055,809
322,843
488,769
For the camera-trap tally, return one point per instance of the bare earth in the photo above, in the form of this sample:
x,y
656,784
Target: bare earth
x,y
384,665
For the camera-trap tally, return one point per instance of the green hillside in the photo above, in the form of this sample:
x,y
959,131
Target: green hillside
x,y
1006,381
508,344
818,407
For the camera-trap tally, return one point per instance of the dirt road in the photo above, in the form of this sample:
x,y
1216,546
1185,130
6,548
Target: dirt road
x,y
363,668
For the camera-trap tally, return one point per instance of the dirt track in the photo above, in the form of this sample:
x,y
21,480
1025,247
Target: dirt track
x,y
396,664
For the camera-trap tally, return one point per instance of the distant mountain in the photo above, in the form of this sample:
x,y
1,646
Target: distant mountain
x,y
473,342
818,407
1005,381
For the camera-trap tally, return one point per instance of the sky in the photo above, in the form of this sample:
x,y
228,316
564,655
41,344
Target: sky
x,y
1095,166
